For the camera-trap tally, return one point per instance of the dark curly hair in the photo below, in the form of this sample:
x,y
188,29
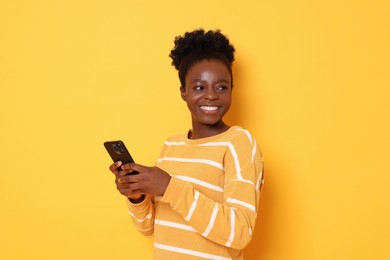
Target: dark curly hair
x,y
199,45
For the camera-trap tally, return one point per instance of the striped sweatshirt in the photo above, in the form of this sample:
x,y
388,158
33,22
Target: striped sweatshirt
x,y
209,208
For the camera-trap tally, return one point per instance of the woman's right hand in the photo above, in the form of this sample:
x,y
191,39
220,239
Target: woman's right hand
x,y
123,188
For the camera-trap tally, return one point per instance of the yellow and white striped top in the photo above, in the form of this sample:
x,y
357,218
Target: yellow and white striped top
x,y
209,209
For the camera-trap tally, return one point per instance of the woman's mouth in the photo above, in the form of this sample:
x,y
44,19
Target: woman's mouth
x,y
209,108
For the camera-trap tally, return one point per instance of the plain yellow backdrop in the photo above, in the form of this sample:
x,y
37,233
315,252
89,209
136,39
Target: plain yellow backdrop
x,y
311,84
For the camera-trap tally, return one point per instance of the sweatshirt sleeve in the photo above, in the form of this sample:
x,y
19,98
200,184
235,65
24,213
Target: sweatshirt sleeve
x,y
232,222
143,215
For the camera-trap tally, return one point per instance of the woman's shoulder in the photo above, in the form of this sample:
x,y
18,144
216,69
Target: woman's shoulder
x,y
240,134
243,140
179,137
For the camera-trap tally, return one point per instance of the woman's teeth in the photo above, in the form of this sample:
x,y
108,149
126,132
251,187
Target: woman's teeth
x,y
209,108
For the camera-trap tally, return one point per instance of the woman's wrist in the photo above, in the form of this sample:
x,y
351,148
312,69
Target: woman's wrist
x,y
139,200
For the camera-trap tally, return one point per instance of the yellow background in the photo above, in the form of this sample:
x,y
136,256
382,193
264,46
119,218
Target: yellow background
x,y
311,84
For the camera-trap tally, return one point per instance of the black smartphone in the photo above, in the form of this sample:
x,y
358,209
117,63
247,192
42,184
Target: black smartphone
x,y
118,152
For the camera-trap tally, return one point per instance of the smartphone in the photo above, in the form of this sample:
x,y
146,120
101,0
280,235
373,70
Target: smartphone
x,y
118,152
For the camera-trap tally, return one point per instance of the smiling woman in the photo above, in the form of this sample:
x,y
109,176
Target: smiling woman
x,y
201,199
208,96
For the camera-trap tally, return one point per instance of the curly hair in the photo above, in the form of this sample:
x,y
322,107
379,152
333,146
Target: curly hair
x,y
199,45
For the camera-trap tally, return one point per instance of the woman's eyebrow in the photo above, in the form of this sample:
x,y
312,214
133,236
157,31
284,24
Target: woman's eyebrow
x,y
224,80
218,81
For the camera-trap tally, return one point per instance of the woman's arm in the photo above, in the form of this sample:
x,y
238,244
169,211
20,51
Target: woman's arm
x,y
141,207
143,215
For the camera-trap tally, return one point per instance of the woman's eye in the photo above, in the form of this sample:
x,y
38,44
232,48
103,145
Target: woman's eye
x,y
221,88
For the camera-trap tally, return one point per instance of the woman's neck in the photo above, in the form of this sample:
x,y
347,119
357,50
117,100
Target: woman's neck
x,y
204,131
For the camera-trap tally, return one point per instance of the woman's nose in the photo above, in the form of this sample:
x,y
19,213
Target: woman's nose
x,y
210,94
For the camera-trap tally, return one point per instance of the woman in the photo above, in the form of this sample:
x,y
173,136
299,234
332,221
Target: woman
x,y
200,200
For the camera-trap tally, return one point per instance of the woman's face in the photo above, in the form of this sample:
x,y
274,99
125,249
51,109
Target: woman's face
x,y
207,92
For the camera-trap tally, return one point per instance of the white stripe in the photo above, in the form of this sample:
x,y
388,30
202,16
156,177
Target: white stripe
x,y
205,161
189,252
254,151
144,230
212,220
247,133
174,225
149,216
236,162
201,183
246,181
232,225
174,143
234,154
260,180
193,206
228,144
242,203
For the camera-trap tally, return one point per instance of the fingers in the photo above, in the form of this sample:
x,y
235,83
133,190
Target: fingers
x,y
114,167
130,193
117,169
125,172
151,180
128,178
134,167
131,168
128,185
130,190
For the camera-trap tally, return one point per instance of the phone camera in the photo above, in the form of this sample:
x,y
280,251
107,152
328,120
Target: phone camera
x,y
118,148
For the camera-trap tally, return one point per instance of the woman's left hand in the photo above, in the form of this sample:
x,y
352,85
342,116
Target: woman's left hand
x,y
150,180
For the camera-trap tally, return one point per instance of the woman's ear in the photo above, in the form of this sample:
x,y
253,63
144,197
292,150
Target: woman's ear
x,y
183,93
